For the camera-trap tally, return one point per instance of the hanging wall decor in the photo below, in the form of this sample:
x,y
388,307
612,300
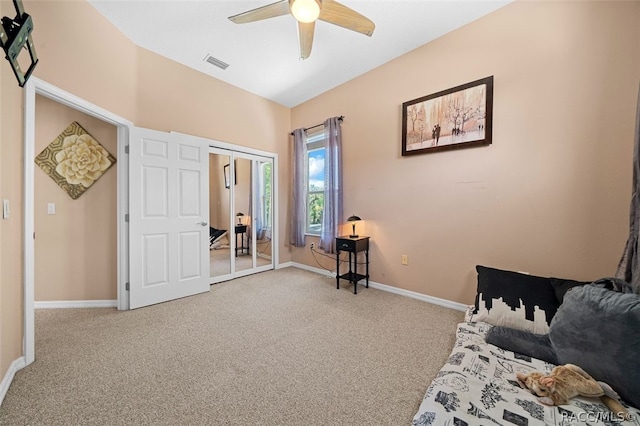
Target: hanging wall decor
x,y
227,179
459,117
75,160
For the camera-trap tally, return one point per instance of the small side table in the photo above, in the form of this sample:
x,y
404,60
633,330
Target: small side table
x,y
242,231
353,246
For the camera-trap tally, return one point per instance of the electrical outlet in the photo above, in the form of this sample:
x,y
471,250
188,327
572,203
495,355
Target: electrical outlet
x,y
405,259
312,246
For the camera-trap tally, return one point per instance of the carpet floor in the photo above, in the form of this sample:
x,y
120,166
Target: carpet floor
x,y
281,347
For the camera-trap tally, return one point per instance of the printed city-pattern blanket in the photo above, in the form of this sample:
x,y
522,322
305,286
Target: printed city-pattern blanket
x,y
478,386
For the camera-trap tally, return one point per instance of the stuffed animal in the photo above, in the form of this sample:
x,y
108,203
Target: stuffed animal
x,y
567,381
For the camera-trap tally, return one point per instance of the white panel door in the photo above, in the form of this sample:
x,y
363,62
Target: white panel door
x,y
168,217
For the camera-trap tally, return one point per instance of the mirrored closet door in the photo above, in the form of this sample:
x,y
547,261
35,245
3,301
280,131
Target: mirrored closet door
x,y
242,216
264,212
253,206
219,219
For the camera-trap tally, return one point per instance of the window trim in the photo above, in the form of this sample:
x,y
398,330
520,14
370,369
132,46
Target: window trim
x,y
261,181
315,142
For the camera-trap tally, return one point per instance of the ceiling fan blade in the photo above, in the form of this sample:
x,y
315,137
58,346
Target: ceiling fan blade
x,y
305,37
339,14
265,12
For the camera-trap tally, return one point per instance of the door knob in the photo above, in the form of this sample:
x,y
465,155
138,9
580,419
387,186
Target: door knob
x,y
202,223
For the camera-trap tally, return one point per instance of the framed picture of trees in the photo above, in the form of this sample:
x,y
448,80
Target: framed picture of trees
x,y
459,117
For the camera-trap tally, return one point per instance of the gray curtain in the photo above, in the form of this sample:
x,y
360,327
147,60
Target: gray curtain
x,y
629,266
332,184
258,213
298,192
260,225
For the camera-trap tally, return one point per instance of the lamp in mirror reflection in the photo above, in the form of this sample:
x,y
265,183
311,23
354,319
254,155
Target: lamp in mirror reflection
x,y
353,219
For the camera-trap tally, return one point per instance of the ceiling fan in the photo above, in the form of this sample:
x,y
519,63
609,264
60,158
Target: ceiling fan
x,y
306,12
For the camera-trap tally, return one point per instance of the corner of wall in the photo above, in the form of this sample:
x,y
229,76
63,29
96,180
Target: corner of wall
x,y
16,365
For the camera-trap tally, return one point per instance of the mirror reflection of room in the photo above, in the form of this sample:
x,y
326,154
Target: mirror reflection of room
x,y
264,213
253,233
219,244
242,212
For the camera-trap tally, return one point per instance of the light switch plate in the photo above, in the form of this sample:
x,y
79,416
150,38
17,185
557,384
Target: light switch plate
x,y
5,209
51,208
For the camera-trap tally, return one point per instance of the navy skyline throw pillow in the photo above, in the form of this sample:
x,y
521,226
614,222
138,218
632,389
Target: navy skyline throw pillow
x,y
514,300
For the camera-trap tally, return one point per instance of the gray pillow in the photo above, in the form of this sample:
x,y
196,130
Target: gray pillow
x,y
561,286
599,330
522,342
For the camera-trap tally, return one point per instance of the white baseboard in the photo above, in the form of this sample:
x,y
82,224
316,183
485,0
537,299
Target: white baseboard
x,y
395,290
284,265
324,272
419,296
16,365
65,304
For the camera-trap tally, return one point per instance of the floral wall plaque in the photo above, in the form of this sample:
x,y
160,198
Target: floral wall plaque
x,y
75,160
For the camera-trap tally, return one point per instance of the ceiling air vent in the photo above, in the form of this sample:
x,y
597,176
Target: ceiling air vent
x,y
217,62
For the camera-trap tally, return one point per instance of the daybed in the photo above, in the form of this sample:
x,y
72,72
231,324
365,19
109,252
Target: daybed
x,y
478,385
215,236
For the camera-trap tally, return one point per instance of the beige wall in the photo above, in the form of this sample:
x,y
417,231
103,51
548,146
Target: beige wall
x,y
11,137
242,189
172,97
218,194
550,196
75,249
82,53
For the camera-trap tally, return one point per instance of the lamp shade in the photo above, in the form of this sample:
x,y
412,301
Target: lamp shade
x,y
305,11
353,219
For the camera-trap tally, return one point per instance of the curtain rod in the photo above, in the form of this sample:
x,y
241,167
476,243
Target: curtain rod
x,y
317,125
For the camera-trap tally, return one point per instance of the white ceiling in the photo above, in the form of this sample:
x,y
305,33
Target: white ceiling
x,y
263,55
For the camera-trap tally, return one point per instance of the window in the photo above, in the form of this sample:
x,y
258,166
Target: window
x,y
265,196
317,185
315,181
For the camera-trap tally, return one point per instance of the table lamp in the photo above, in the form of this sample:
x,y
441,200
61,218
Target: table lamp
x,y
239,215
353,219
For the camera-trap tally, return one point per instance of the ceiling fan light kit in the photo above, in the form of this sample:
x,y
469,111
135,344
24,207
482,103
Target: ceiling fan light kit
x,y
306,12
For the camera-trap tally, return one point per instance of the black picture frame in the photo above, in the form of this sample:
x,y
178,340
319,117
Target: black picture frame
x,y
227,179
460,117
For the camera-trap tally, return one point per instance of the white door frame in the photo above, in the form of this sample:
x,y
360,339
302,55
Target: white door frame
x,y
36,86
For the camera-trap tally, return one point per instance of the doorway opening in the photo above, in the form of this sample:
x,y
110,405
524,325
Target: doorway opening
x,y
35,87
76,231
